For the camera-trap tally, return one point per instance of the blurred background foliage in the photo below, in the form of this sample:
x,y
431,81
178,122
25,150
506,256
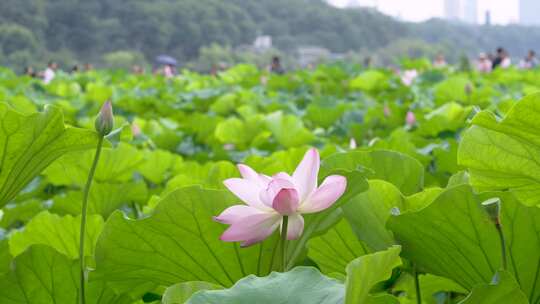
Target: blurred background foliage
x,y
205,33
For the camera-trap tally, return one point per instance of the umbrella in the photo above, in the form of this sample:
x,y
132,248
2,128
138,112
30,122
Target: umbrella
x,y
166,59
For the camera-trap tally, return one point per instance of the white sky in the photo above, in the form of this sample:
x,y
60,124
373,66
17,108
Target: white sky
x,y
502,11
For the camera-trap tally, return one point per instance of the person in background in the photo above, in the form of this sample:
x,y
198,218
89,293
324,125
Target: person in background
x,y
137,70
29,71
168,71
50,72
506,61
502,59
530,61
484,64
368,62
88,67
498,58
439,62
75,69
275,66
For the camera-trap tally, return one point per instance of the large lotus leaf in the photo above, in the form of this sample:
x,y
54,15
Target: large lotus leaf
x,y
60,233
41,275
285,161
158,165
203,126
400,140
137,256
403,171
98,92
116,165
64,88
452,89
505,289
449,117
210,175
22,104
31,143
445,157
368,212
242,132
325,115
5,256
288,130
453,238
505,154
369,81
181,292
104,198
225,104
336,248
15,215
301,285
232,131
163,134
178,243
366,271
430,286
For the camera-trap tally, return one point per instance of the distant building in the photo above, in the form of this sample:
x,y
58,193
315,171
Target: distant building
x,y
452,9
529,12
311,55
461,10
487,21
263,42
470,11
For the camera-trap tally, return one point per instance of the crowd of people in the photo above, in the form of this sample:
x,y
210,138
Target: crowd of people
x,y
488,62
49,73
485,63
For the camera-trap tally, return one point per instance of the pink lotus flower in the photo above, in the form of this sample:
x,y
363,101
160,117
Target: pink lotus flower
x,y
387,111
410,119
269,199
408,77
352,144
135,129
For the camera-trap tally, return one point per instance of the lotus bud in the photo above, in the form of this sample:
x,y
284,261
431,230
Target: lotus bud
x,y
410,119
135,129
493,209
387,111
105,119
352,144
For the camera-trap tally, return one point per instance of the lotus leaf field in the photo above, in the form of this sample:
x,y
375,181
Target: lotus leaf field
x,y
440,206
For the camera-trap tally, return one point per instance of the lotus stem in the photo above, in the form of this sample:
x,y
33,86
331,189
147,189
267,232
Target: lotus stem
x,y
503,245
283,245
82,298
417,285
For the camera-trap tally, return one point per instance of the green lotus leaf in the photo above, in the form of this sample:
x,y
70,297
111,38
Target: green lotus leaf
x,y
403,171
41,275
365,272
336,248
453,238
505,289
31,143
302,285
60,233
505,154
288,130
